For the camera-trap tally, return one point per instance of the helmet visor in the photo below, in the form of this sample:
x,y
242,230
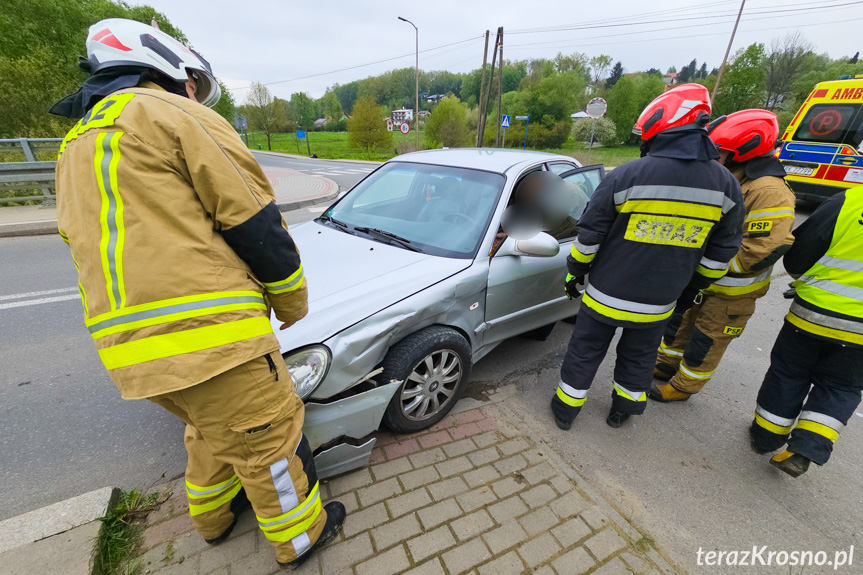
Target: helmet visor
x,y
208,91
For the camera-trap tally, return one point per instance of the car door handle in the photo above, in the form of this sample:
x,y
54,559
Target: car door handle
x,y
848,161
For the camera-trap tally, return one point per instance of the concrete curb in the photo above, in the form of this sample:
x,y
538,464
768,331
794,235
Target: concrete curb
x,y
48,227
56,518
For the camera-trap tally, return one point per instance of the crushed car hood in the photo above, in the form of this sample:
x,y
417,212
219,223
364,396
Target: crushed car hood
x,y
351,278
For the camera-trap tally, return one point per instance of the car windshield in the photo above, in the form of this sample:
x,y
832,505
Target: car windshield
x,y
439,210
832,123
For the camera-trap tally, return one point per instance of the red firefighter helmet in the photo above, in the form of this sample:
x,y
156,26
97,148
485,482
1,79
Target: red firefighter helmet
x,y
676,108
746,134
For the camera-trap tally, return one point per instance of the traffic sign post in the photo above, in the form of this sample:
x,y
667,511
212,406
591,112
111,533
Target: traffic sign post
x,y
596,109
504,124
526,126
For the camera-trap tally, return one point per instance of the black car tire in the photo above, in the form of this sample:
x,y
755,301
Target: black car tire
x,y
408,356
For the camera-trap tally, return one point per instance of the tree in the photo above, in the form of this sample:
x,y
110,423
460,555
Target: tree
x,y
598,66
263,113
366,127
616,74
605,134
672,70
304,110
744,82
226,105
688,72
653,72
788,58
702,73
39,60
447,124
575,61
332,108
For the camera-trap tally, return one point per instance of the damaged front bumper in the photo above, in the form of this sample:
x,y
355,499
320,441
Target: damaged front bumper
x,y
338,431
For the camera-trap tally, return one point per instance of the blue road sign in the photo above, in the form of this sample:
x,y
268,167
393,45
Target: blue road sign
x,y
301,134
504,122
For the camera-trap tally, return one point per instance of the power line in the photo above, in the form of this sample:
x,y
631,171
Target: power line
x,y
523,46
567,28
557,43
360,65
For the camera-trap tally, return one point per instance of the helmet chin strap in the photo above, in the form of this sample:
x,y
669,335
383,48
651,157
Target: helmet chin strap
x,y
168,84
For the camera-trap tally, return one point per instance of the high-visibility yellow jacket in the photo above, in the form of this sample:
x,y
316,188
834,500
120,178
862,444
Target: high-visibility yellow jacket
x,y
177,240
769,205
829,248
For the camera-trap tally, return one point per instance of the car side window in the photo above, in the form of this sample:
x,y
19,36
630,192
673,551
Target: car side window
x,y
561,168
582,182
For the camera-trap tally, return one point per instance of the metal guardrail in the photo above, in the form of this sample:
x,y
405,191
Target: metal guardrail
x,y
31,173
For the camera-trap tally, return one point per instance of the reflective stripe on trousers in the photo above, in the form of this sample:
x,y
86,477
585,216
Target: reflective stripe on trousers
x,y
571,396
224,493
772,422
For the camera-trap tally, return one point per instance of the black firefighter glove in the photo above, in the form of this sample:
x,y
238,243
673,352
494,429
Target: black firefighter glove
x,y
570,285
687,299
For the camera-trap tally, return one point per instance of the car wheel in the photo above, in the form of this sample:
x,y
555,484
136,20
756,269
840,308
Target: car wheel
x,y
434,366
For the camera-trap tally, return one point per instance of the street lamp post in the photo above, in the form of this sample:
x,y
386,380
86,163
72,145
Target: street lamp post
x,y
417,101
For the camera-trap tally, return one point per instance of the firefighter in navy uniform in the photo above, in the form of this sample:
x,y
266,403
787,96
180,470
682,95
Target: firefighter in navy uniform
x,y
694,342
819,351
657,231
181,252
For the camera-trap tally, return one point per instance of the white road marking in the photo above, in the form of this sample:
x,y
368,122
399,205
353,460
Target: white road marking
x,y
39,301
37,293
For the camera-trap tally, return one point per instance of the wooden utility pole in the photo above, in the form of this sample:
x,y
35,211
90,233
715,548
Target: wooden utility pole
x,y
481,88
481,135
727,51
499,88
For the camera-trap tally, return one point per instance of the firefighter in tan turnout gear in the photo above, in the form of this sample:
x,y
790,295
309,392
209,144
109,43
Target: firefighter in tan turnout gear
x,y
694,342
181,251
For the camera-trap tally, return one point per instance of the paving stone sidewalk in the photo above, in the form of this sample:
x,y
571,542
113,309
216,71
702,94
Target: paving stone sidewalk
x,y
474,494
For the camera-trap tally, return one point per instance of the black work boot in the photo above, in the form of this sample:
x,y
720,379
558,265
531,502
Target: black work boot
x,y
754,444
663,372
335,519
561,423
238,504
793,464
616,418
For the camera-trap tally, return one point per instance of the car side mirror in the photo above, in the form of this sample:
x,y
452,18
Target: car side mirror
x,y
541,245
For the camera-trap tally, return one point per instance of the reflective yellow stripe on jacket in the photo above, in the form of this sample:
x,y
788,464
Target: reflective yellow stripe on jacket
x,y
111,217
835,283
622,310
181,342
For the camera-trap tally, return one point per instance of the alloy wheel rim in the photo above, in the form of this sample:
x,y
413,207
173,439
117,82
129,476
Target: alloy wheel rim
x,y
431,385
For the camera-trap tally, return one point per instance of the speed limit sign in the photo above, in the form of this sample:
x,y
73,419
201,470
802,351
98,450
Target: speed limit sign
x,y
405,128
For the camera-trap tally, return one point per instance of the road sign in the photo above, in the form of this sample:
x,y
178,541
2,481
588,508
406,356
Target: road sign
x,y
522,117
405,128
596,108
240,123
301,134
504,122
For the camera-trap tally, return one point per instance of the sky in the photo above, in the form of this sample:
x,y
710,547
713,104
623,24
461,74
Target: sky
x,y
293,46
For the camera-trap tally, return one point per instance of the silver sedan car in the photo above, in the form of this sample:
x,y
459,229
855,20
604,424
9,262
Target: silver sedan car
x,y
412,281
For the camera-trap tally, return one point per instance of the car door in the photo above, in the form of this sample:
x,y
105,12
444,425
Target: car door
x,y
526,292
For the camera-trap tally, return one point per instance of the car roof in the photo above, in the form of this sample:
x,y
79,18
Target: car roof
x,y
490,159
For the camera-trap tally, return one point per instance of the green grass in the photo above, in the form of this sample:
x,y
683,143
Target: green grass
x,y
120,534
334,145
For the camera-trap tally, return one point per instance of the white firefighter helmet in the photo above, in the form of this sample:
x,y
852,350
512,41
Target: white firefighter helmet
x,y
117,42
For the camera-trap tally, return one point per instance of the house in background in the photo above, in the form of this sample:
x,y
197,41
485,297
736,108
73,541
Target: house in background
x,y
389,122
424,114
402,115
320,122
671,79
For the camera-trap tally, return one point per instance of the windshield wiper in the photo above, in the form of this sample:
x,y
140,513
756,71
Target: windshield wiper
x,y
339,224
390,238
